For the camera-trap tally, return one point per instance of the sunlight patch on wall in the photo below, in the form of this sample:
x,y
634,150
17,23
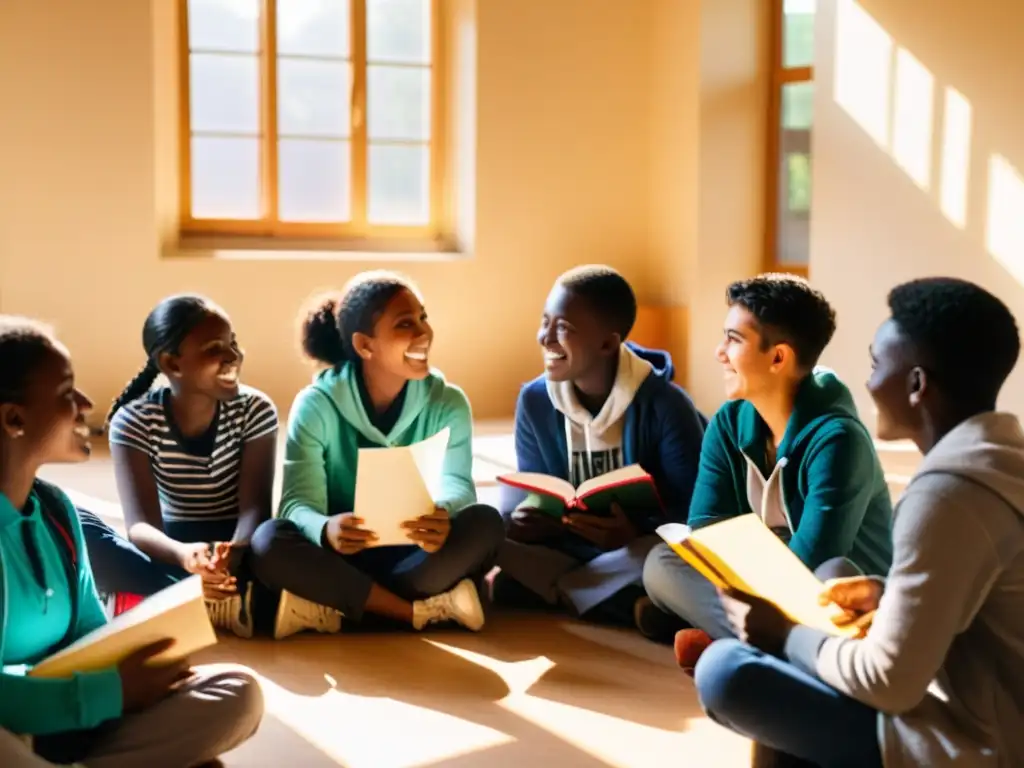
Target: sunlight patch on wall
x,y
1004,230
956,157
913,116
863,70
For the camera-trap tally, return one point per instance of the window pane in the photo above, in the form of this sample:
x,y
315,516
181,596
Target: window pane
x,y
398,103
224,25
314,180
225,178
794,191
313,97
399,185
224,91
798,33
398,30
313,27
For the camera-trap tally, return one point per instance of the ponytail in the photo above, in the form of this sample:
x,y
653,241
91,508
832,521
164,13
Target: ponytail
x,y
321,333
135,389
329,322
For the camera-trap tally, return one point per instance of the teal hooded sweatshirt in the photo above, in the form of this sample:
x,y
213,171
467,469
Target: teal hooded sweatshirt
x,y
827,486
328,424
38,617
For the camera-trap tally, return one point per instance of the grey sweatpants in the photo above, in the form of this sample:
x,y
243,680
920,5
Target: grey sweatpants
x,y
214,712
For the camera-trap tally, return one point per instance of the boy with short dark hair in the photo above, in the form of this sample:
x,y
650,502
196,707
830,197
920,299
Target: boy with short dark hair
x,y
788,447
602,404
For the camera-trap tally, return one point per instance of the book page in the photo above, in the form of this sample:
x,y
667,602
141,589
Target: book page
x,y
536,482
391,488
755,560
177,612
634,473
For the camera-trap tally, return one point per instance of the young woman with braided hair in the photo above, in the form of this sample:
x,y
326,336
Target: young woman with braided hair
x,y
194,459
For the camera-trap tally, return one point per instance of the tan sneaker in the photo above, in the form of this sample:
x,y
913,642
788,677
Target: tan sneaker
x,y
461,605
233,613
296,614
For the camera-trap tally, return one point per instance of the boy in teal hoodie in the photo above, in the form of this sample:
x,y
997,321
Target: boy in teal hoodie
x,y
788,447
379,391
127,714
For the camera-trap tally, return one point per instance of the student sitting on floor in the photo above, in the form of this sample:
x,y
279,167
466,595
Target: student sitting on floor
x,y
601,404
788,447
194,464
938,680
379,391
129,714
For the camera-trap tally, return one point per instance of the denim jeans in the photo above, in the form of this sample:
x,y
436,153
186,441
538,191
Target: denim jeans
x,y
779,706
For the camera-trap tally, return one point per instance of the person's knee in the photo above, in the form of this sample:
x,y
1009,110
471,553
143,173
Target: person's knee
x,y
269,535
482,526
659,575
837,568
720,675
240,700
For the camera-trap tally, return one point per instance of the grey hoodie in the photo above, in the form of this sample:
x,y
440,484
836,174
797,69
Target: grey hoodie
x,y
943,662
595,442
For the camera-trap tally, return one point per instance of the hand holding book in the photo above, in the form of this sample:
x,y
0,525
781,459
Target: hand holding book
x,y
609,532
143,683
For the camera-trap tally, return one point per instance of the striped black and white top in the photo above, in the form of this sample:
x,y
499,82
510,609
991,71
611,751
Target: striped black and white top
x,y
197,478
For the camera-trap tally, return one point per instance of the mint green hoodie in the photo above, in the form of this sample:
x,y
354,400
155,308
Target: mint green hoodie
x,y
327,424
35,624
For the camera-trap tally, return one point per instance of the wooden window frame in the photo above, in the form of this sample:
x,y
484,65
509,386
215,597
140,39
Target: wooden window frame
x,y
269,224
780,76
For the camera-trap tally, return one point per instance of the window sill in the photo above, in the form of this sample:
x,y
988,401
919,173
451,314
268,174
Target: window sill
x,y
228,248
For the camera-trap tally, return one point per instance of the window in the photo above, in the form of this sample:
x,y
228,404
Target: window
x,y
791,119
311,118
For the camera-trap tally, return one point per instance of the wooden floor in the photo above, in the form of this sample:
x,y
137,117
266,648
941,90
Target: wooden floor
x,y
529,690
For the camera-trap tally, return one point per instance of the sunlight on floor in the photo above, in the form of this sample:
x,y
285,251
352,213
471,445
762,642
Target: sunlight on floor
x,y
612,740
377,732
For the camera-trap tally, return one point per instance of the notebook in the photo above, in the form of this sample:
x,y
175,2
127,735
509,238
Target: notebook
x,y
177,612
743,554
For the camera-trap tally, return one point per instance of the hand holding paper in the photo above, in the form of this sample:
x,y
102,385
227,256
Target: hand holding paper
x,y
430,531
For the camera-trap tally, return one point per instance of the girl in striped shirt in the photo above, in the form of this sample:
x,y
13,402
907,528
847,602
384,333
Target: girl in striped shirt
x,y
194,460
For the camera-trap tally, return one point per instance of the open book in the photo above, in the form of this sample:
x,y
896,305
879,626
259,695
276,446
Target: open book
x,y
743,554
177,612
394,485
630,486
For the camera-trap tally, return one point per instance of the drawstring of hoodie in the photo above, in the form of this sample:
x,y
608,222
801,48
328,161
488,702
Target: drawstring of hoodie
x,y
36,562
586,444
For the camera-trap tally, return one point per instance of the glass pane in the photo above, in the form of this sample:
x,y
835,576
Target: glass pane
x,y
225,178
398,103
794,191
224,93
798,33
313,97
314,180
398,30
313,27
224,25
797,105
399,185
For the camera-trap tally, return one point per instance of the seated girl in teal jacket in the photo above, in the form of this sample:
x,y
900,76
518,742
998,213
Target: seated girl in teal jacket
x,y
48,600
378,391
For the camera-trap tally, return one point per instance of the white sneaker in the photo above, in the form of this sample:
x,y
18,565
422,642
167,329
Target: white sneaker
x,y
233,613
461,604
295,614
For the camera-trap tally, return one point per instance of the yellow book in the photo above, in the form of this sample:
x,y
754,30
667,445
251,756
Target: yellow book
x,y
177,612
741,553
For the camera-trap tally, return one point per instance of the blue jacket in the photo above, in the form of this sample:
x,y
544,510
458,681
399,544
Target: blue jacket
x,y
662,433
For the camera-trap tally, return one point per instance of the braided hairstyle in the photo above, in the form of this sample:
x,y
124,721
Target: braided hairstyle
x,y
24,344
329,321
165,328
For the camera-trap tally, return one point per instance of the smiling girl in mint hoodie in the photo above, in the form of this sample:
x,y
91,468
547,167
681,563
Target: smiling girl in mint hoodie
x,y
378,392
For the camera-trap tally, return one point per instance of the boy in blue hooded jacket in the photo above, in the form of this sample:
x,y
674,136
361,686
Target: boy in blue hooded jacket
x,y
602,404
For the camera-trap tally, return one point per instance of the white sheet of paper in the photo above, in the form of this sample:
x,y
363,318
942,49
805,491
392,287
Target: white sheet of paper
x,y
394,485
177,612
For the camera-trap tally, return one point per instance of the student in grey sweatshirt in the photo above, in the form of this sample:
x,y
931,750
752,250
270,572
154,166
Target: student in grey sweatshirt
x,y
938,678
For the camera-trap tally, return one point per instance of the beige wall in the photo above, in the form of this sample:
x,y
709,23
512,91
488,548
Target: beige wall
x,y
590,146
889,182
